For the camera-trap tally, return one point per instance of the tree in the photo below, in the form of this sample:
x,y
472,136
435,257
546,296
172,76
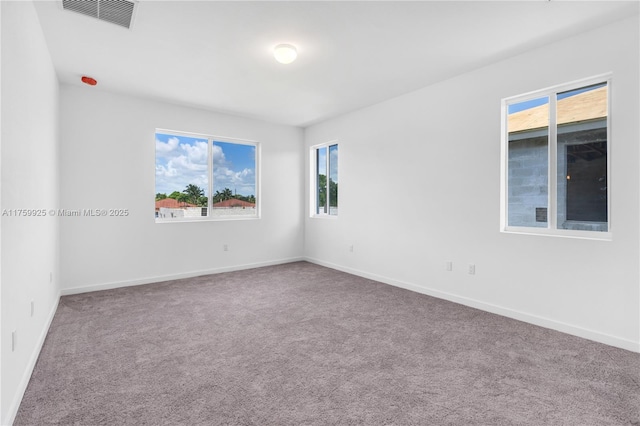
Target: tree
x,y
174,195
226,194
182,198
193,194
160,196
322,193
333,193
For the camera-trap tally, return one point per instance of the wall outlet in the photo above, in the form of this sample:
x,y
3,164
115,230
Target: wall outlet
x,y
472,269
50,277
351,248
33,307
225,247
14,340
448,266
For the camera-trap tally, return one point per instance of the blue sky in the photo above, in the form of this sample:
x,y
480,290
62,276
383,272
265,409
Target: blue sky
x,y
333,162
181,160
234,167
521,106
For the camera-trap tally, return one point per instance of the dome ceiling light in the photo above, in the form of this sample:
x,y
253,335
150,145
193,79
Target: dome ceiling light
x,y
285,53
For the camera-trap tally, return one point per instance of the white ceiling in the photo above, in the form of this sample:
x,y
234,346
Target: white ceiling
x,y
217,55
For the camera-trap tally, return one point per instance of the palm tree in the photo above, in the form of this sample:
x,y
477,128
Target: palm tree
x,y
227,194
193,193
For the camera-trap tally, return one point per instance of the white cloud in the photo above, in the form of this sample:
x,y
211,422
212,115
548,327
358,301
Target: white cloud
x,y
166,147
218,156
243,181
179,164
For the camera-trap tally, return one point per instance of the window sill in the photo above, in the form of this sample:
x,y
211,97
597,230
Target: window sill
x,y
324,216
205,219
562,233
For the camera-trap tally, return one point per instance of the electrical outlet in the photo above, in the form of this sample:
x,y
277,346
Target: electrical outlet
x,y
14,340
449,266
472,269
351,248
33,307
50,277
225,247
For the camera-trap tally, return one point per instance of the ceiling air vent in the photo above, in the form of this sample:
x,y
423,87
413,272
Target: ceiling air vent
x,y
119,12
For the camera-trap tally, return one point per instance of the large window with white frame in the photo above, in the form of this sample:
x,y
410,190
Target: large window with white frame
x,y
201,177
556,163
324,180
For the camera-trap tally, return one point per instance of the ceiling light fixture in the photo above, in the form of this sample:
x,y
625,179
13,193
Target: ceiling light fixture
x,y
285,53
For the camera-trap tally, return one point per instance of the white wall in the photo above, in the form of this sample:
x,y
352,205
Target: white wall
x,y
420,184
107,160
29,166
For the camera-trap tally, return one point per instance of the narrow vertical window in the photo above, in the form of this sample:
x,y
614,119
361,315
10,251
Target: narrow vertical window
x,y
325,179
333,180
321,179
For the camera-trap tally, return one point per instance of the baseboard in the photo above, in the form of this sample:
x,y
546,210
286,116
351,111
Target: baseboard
x,y
596,336
22,387
160,278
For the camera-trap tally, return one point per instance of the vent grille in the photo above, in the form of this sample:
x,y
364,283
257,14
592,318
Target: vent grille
x,y
119,12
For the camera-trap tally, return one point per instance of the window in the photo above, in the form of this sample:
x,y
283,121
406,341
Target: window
x,y
204,177
324,160
555,161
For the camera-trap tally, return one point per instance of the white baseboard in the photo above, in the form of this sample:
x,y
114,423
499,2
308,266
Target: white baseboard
x,y
26,376
160,278
495,309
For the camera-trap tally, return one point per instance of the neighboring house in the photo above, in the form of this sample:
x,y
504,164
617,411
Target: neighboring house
x,y
582,163
171,208
233,203
170,203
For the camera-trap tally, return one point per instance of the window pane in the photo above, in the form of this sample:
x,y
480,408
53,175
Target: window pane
x,y
181,176
234,180
582,158
333,179
321,180
528,168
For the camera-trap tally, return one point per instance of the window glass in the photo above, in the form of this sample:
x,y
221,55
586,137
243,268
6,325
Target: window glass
x,y
333,179
199,177
325,176
181,176
321,179
556,161
582,158
528,124
234,179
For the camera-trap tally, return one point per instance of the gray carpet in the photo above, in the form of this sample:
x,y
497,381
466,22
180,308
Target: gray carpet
x,y
299,344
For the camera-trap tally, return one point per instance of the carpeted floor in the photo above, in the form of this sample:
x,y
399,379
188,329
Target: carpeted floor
x,y
299,344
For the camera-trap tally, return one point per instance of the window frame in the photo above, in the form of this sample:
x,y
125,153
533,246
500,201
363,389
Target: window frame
x,y
552,146
313,199
211,139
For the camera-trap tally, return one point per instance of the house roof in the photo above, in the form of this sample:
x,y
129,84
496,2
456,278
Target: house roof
x,y
171,203
585,106
232,202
